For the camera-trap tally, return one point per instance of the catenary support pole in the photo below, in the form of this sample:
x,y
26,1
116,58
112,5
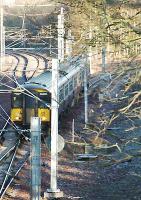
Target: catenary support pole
x,y
2,30
54,192
90,51
54,125
103,59
69,41
61,33
85,94
35,158
73,130
1,35
23,31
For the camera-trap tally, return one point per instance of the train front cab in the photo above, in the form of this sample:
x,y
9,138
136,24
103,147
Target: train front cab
x,y
23,107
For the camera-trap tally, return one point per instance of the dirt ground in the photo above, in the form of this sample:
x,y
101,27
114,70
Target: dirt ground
x,y
115,174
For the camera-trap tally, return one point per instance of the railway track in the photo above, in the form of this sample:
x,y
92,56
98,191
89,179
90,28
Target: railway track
x,y
14,153
42,64
44,59
18,72
20,69
29,64
33,65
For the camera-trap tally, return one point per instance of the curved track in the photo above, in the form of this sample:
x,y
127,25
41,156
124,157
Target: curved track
x,y
29,65
20,69
42,64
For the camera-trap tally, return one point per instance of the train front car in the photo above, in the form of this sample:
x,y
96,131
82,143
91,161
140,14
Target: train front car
x,y
32,101
35,100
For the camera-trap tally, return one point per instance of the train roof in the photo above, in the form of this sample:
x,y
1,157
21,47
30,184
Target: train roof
x,y
44,80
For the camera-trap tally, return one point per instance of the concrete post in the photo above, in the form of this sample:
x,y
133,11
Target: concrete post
x,y
35,158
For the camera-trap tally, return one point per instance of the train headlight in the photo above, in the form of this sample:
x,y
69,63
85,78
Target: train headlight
x,y
18,117
43,118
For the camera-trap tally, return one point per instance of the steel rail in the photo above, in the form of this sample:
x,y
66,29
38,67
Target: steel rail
x,y
37,59
37,56
25,66
16,129
26,158
12,123
27,92
10,150
44,58
4,127
9,168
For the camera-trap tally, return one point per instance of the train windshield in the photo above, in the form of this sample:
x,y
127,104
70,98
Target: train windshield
x,y
17,100
30,102
45,98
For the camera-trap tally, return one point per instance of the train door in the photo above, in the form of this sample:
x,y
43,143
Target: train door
x,y
43,110
31,109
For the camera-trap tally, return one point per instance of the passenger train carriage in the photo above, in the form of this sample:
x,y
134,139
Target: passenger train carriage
x,y
25,106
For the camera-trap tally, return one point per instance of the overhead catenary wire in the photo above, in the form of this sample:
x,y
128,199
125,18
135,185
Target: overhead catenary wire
x,y
17,129
24,90
7,122
14,125
3,128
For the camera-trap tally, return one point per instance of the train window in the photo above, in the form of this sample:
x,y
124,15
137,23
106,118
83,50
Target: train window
x,y
30,102
70,85
82,75
66,90
17,100
75,81
45,97
61,94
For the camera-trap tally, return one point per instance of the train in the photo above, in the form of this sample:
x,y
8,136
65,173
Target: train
x,y
33,98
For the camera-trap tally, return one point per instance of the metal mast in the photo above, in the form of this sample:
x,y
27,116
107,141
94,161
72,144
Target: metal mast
x,y
23,31
69,44
61,34
54,125
1,35
85,93
2,30
54,192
